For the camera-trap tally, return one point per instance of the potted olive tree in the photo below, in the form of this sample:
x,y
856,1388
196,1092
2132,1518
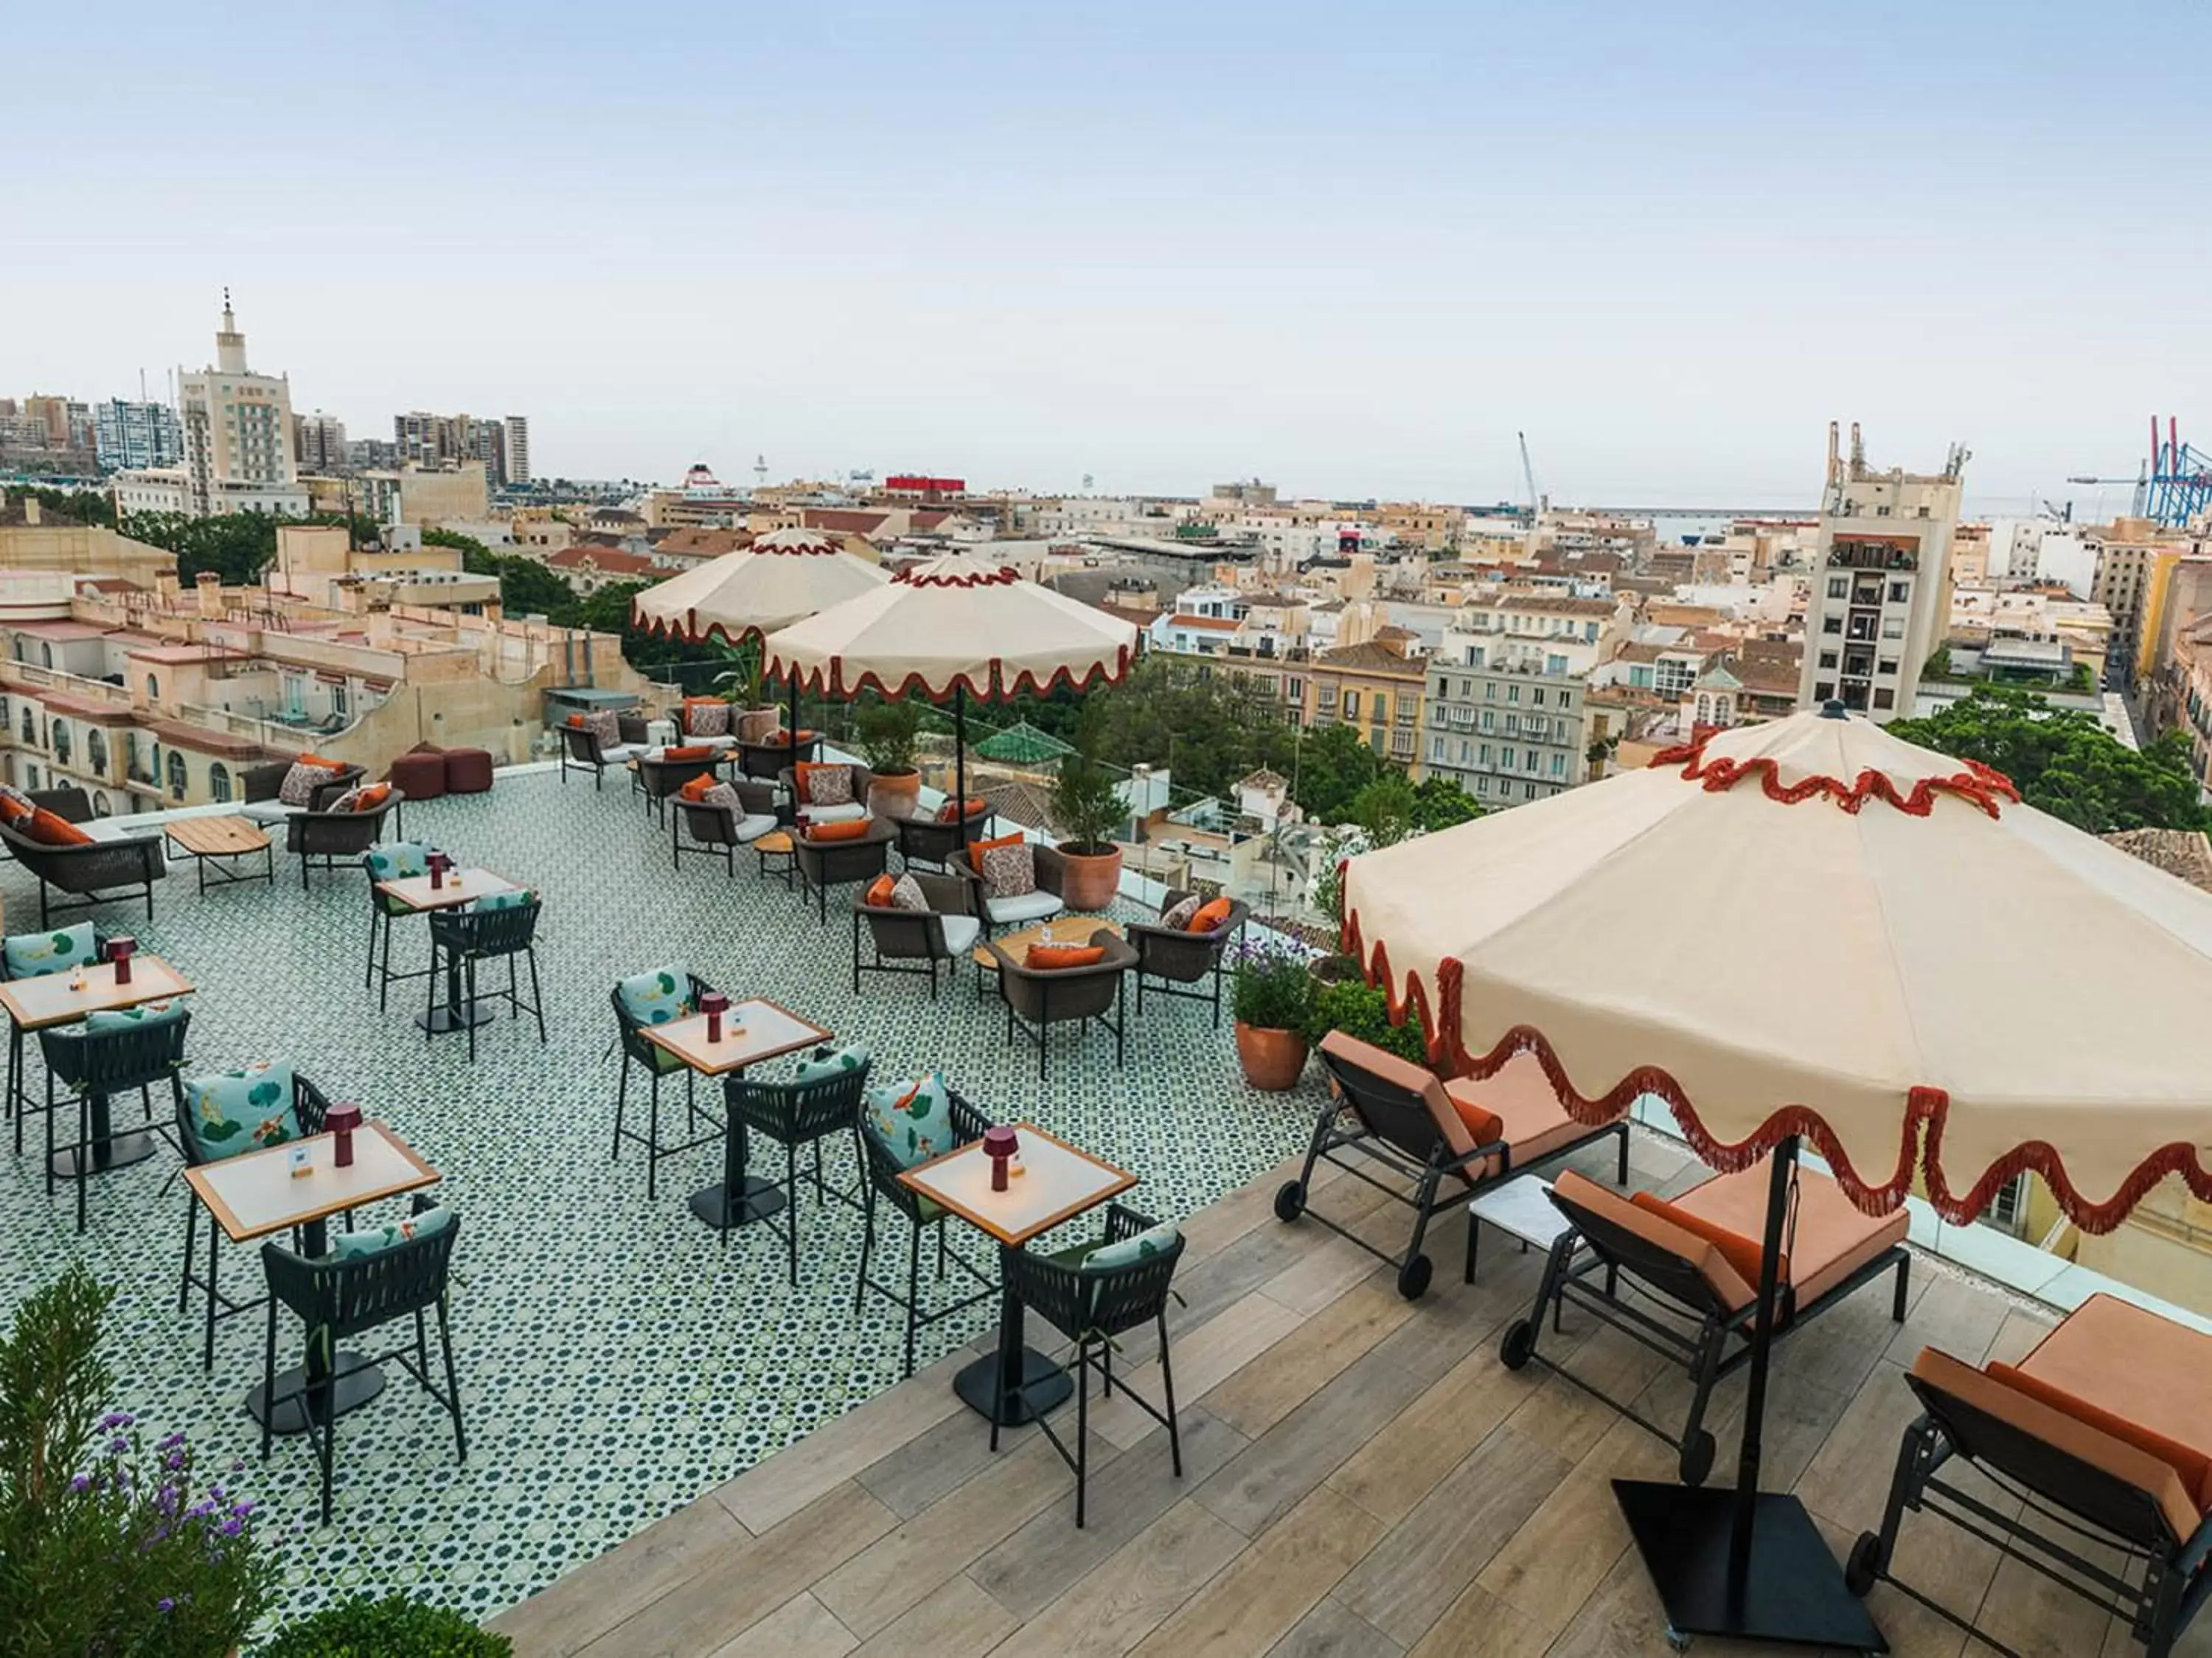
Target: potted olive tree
x,y
1270,999
886,733
1087,809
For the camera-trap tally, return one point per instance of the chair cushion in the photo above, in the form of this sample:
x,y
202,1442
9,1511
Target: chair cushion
x,y
15,803
1531,1118
827,1062
2165,1386
396,860
656,997
907,894
1177,917
977,847
706,716
850,811
723,795
754,825
688,753
1727,1284
1046,957
1010,871
960,933
132,1019
352,1246
266,811
1484,1127
1209,916
824,785
1029,906
1746,1255
33,956
605,725
49,829
1129,1251
233,1111
879,894
301,782
513,899
367,798
842,829
912,1120
950,813
1833,1237
700,787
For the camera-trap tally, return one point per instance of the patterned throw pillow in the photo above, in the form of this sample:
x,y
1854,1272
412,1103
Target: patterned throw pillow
x,y
830,1062
15,803
301,782
723,794
911,1120
234,1111
132,1019
513,899
605,725
708,718
657,997
1009,871
396,860
907,894
1178,917
826,785
1129,1251
352,1246
33,956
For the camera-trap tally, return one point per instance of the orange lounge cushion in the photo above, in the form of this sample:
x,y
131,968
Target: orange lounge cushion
x,y
1046,957
1741,1253
1484,1127
696,789
13,807
369,798
317,760
49,830
1662,1233
976,804
688,752
2165,1385
1832,1237
851,829
2192,1465
1999,1396
878,895
1532,1119
977,847
1209,916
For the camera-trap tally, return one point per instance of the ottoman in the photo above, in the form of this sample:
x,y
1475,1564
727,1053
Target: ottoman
x,y
420,776
467,771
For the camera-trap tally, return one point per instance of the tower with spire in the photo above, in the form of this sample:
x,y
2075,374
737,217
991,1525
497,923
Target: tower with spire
x,y
239,442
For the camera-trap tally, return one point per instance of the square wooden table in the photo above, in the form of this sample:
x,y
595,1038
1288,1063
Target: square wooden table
x,y
753,1031
255,1195
456,887
1060,1182
63,998
223,841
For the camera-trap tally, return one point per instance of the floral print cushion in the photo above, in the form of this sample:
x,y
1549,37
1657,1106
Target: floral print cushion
x,y
606,726
726,796
706,719
1130,1251
911,1120
1178,919
830,1062
233,1111
826,785
1009,871
907,894
131,1019
396,860
657,997
301,782
375,1240
513,899
33,956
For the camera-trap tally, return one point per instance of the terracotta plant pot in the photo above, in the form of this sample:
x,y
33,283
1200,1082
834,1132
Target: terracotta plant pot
x,y
755,722
893,794
1090,880
1272,1059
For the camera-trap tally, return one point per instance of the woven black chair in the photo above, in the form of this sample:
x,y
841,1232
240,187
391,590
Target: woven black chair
x,y
383,912
333,841
1091,1308
336,1298
765,759
719,829
1174,959
824,864
795,1114
99,872
20,1104
582,750
474,935
923,839
310,1105
1037,998
656,1061
95,1065
914,941
882,1186
658,779
634,730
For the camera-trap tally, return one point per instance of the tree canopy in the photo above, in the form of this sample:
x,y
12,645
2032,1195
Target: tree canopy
x,y
238,546
2064,763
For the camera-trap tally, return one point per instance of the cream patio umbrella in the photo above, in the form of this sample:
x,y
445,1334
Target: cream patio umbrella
x,y
784,575
1813,928
952,628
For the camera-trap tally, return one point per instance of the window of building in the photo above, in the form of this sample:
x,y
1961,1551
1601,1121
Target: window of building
x,y
1481,784
1827,659
338,697
219,781
1505,759
1489,690
177,778
1887,665
1512,693
1512,725
1554,666
1351,705
1528,791
101,805
1832,624
1537,696
1825,690
1839,587
1885,697
1489,721
1892,627
1485,752
1900,592
153,688
58,736
1531,760
1558,765
1566,699
95,749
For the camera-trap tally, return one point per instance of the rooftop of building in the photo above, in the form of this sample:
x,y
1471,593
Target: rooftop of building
x,y
1368,657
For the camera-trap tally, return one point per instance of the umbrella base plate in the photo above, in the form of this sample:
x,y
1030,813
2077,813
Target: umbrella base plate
x,y
1792,1592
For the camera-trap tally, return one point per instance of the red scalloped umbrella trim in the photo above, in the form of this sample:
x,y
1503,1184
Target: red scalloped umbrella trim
x,y
914,576
1979,785
690,630
830,680
1920,1127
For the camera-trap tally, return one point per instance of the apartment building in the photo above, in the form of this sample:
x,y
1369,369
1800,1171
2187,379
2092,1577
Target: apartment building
x,y
2135,559
1508,711
318,442
1376,687
126,434
238,433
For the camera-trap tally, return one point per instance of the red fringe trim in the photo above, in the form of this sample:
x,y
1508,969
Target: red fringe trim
x,y
690,630
1979,785
832,682
913,577
1920,1129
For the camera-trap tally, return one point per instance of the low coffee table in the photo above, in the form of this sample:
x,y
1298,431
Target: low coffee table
x,y
776,844
1060,930
223,841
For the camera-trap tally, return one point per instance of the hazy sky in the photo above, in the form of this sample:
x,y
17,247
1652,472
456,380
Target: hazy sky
x,y
1349,248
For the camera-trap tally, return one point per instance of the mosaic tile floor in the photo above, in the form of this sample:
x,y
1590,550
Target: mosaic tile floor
x,y
616,1358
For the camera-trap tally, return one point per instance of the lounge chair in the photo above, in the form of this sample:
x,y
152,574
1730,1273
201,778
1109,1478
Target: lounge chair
x,y
335,841
917,941
2107,1427
1037,998
718,830
827,864
1173,956
112,867
923,839
1693,1268
1420,1130
659,775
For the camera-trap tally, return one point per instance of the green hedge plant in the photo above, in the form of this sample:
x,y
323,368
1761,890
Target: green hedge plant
x,y
395,1627
1359,1009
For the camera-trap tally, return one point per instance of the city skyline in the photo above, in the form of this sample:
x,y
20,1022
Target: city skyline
x,y
1167,250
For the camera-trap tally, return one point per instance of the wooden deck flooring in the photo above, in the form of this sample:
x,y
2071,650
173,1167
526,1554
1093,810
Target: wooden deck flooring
x,y
1361,1476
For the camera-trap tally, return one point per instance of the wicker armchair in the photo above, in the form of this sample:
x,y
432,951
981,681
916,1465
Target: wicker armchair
x,y
721,829
1037,998
657,779
636,730
787,780
824,864
1175,956
95,1066
1020,910
120,871
915,940
582,751
923,839
260,784
766,760
335,840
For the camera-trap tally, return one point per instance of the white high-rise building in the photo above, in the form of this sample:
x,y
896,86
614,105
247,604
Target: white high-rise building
x,y
1882,582
133,435
238,432
518,450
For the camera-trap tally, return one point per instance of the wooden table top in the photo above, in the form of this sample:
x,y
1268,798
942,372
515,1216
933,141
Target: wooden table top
x,y
35,1003
776,840
217,837
460,887
1060,930
254,1193
1060,1183
753,1030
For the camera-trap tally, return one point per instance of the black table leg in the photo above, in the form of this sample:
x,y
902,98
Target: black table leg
x,y
357,1381
737,1198
1017,1383
109,1149
457,1014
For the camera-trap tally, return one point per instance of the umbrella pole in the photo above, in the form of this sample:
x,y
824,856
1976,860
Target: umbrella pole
x,y
1744,1564
960,761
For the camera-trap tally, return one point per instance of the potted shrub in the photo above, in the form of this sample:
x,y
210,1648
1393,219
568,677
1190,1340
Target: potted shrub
x,y
1087,809
395,1627
1360,1009
753,719
885,732
1271,998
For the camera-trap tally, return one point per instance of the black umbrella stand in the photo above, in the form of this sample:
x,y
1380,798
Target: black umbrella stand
x,y
1747,1564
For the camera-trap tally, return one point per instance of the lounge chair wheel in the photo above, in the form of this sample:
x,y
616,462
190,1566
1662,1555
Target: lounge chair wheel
x,y
1698,1459
1289,1201
1519,1345
1864,1568
1414,1278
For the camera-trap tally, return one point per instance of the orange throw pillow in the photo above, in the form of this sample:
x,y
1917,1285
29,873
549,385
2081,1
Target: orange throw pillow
x,y
1741,1253
697,788
317,760
368,799
878,895
851,829
977,847
1209,916
13,807
2192,1466
574,721
1047,956
45,828
689,752
1485,1127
